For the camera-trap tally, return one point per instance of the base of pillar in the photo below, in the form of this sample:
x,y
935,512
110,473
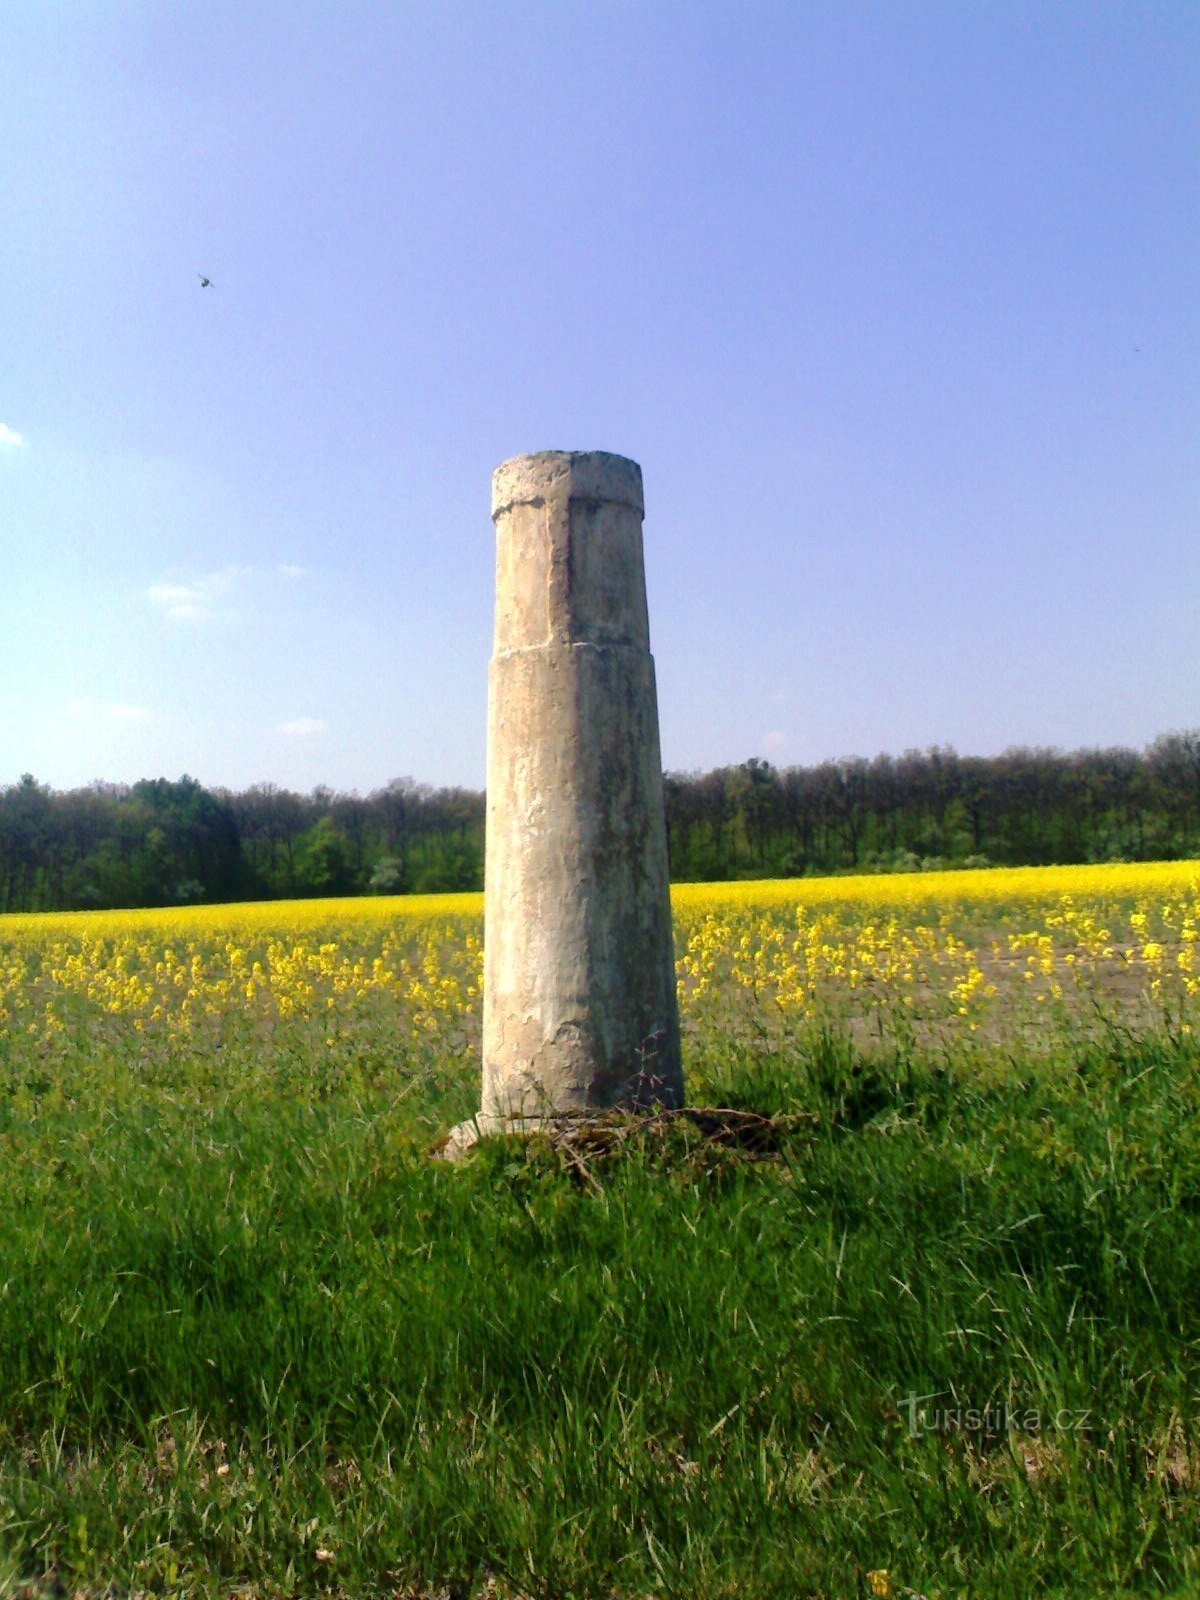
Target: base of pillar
x,y
591,1133
464,1135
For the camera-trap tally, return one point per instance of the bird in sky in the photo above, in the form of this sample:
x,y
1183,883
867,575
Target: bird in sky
x,y
205,283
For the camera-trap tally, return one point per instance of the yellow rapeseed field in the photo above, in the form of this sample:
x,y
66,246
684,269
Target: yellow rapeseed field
x,y
991,955
1005,954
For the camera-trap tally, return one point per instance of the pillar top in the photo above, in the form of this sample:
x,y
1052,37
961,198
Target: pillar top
x,y
567,475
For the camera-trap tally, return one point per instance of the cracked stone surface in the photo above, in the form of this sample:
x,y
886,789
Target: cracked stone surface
x,y
579,977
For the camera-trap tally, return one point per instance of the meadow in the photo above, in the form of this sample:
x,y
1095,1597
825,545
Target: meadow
x,y
935,1333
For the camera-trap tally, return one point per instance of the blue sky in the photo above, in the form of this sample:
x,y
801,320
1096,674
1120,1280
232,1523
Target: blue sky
x,y
895,304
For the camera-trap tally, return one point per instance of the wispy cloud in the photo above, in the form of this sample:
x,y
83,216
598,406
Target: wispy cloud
x,y
302,727
234,591
197,600
774,740
10,439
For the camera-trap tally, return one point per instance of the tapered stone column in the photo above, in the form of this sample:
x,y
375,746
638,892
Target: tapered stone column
x,y
579,1007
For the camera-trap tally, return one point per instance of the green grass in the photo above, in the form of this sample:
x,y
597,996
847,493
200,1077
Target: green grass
x,y
253,1340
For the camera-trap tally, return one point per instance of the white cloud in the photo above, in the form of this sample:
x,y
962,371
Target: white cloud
x,y
181,602
11,439
286,569
774,740
302,727
198,600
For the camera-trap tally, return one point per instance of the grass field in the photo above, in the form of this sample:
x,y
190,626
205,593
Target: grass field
x,y
940,1338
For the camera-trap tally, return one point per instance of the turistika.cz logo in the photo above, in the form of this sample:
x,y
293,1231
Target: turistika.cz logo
x,y
992,1419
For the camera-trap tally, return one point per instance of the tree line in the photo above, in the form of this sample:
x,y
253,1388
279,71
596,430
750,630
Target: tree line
x,y
164,842
161,842
934,808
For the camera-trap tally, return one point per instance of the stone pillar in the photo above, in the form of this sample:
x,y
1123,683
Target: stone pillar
x,y
579,1009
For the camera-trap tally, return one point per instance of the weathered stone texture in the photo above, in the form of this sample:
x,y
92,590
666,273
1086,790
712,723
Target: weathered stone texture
x,y
579,979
